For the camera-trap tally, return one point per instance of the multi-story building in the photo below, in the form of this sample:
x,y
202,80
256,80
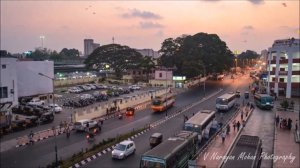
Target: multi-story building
x,y
8,82
148,52
284,68
89,46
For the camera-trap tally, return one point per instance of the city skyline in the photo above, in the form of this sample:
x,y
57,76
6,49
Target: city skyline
x,y
249,24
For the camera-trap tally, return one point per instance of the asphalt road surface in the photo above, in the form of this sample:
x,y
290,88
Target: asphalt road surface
x,y
42,152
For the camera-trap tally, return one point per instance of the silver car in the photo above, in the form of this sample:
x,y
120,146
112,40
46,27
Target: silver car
x,y
123,149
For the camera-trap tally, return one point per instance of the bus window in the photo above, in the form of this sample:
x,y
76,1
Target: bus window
x,y
152,164
222,101
156,102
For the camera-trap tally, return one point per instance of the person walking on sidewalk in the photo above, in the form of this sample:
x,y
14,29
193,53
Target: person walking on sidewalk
x,y
223,135
234,125
277,120
296,125
227,128
238,124
242,115
30,136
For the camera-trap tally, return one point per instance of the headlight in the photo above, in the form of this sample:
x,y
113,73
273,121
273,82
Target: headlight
x,y
121,154
113,152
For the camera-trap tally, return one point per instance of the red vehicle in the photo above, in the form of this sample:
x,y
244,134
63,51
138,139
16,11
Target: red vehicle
x,y
130,111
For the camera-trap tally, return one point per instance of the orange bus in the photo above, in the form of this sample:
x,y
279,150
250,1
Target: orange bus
x,y
162,103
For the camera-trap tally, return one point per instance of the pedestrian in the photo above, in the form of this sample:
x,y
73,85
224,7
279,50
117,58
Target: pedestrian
x,y
243,123
106,111
280,122
87,129
290,123
68,131
238,124
193,114
99,125
248,104
296,125
234,125
101,120
277,120
118,108
227,128
61,126
223,135
252,106
242,114
30,136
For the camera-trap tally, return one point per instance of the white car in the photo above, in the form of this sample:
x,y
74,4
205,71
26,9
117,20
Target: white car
x,y
56,108
81,125
35,102
134,87
86,96
123,149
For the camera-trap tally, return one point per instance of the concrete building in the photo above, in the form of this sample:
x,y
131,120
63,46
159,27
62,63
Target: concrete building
x,y
284,68
8,82
148,52
89,46
137,75
163,77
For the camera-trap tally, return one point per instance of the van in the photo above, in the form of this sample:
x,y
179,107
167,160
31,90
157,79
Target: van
x,y
155,139
81,124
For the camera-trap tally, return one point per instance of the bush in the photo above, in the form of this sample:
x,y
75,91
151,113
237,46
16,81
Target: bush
x,y
284,104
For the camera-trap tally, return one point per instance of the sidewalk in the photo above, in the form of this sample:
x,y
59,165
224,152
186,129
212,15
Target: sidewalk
x,y
285,145
214,154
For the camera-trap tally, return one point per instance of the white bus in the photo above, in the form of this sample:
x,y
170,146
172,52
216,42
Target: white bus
x,y
225,102
201,123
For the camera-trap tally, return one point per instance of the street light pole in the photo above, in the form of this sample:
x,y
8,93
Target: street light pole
x,y
166,91
53,99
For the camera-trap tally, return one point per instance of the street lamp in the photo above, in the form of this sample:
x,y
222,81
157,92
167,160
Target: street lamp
x,y
53,99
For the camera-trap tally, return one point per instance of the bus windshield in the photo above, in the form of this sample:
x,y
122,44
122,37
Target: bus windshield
x,y
156,102
221,101
265,100
148,162
191,127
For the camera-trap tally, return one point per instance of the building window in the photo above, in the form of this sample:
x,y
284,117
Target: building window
x,y
133,72
3,66
282,69
160,75
273,79
3,92
281,79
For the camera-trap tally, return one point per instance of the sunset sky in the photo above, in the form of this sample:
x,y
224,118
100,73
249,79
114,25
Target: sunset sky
x,y
244,24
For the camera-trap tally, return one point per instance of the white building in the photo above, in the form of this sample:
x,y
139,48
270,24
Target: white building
x,y
89,46
163,77
8,82
284,68
148,52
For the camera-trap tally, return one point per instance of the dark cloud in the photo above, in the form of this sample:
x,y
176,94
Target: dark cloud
x,y
249,27
141,14
256,2
160,33
284,5
150,25
289,29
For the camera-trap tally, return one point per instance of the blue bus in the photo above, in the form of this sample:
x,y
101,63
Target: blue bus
x,y
264,101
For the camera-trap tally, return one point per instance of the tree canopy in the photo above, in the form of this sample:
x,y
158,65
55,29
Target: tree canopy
x,y
117,57
40,54
195,55
248,54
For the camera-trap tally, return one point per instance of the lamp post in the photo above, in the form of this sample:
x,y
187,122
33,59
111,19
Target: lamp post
x,y
53,98
166,90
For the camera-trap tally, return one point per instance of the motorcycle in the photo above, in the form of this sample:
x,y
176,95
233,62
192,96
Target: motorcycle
x,y
91,135
120,116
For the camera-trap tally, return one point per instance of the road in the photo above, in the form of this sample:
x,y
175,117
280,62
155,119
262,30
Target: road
x,y
42,153
168,129
65,115
44,150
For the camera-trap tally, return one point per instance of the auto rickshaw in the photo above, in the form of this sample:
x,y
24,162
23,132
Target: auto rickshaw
x,y
155,139
130,111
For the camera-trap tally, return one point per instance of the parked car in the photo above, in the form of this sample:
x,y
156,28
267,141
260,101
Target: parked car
x,y
134,87
55,107
47,117
81,125
123,149
155,139
86,96
36,102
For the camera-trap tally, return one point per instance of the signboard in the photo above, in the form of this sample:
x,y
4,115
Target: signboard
x,y
178,78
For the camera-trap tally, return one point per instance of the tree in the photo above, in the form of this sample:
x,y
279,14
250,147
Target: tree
x,y
40,54
119,58
246,58
69,53
195,55
147,64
